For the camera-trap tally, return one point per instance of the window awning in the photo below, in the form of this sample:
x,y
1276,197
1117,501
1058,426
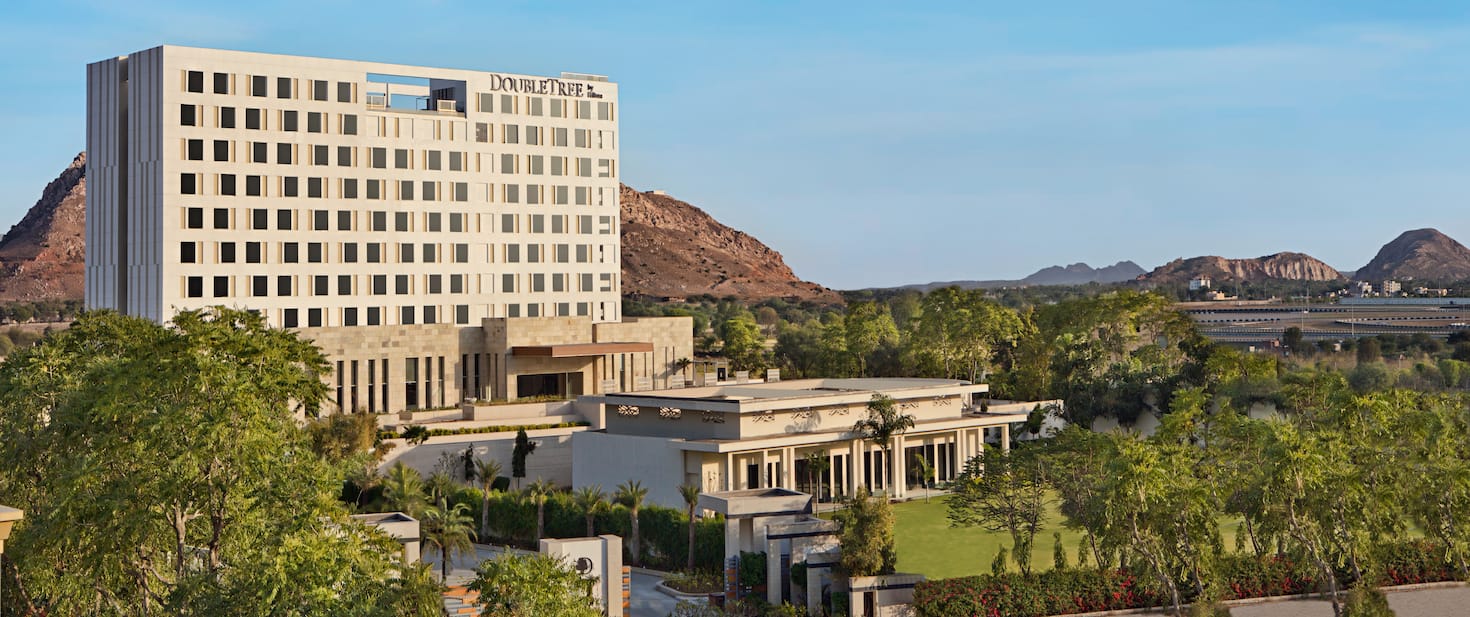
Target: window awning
x,y
579,350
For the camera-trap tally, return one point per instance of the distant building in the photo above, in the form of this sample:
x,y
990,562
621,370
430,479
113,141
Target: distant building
x,y
1199,283
1363,288
1218,296
1391,287
1431,291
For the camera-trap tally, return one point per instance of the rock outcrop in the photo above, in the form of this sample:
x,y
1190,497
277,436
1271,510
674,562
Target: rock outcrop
x,y
673,249
1424,254
1287,266
42,257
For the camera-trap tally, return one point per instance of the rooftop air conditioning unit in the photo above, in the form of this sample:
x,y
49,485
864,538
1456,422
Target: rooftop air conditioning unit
x,y
446,105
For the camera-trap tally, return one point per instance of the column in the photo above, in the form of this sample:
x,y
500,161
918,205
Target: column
x,y
774,582
730,471
855,466
764,475
898,466
788,467
1005,437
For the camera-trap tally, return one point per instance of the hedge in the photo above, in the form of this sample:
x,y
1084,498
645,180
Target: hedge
x,y
439,432
665,531
1061,592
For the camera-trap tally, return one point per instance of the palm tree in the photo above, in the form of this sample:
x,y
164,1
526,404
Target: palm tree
x,y
883,423
817,465
439,486
404,489
451,530
486,470
631,494
690,493
591,500
538,492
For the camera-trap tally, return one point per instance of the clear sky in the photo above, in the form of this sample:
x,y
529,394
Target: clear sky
x,y
878,144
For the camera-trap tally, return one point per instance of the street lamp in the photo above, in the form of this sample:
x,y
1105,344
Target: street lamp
x,y
8,518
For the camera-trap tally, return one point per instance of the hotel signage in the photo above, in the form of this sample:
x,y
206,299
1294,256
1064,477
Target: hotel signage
x,y
548,86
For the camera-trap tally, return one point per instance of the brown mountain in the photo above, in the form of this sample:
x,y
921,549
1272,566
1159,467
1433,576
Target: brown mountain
x,y
1291,266
1419,254
42,256
671,248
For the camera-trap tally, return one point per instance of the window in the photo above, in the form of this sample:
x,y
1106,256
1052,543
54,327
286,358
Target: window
x,y
290,186
344,220
227,252
405,316
380,221
283,87
513,310
349,124
374,189
434,160
533,135
257,85
431,316
434,221
188,253
512,253
320,285
227,184
462,315
559,283
188,115
533,194
253,252
482,132
290,252
401,284
400,158
319,155
320,220
349,188
314,121
344,92
227,117
375,318
221,286
461,191
195,81
349,318
507,163
508,284
314,319
429,192
456,161
194,287
349,252
538,223
508,223
288,318
195,150
537,165
194,218
319,90
344,156
456,283
221,150
252,118
380,284
259,219
401,221
289,120
252,185
260,286
512,193
283,285
559,136
314,252
258,152
405,253
456,222
507,104
430,253
314,187
511,134
344,284
436,284
221,218
378,158
284,153
538,282
461,253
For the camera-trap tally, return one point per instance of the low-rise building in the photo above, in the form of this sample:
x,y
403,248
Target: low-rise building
x,y
795,434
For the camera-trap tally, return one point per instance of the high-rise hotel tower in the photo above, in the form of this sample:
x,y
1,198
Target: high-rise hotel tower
x,y
442,234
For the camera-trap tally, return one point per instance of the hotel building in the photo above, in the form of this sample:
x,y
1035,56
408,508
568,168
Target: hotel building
x,y
442,234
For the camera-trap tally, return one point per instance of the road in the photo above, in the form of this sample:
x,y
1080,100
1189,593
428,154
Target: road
x,y
1443,602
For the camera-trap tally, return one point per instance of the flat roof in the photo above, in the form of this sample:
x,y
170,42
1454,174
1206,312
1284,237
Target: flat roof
x,y
10,514
779,394
578,350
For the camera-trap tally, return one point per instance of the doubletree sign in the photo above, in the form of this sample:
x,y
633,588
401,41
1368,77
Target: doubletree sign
x,y
547,86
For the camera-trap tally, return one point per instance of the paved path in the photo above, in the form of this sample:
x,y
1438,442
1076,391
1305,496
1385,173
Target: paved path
x,y
1443,602
644,600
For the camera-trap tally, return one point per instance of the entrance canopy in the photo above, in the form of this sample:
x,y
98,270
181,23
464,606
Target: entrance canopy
x,y
579,350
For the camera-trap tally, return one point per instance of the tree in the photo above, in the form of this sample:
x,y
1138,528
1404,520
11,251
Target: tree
x,y
164,470
523,448
1369,350
817,466
529,585
867,536
926,474
869,326
631,494
883,423
1292,339
404,489
744,345
591,500
486,471
690,493
1001,491
538,492
451,530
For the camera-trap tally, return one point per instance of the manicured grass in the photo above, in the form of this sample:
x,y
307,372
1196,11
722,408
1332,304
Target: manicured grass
x,y
927,545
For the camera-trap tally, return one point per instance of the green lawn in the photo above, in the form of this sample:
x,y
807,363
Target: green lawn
x,y
927,545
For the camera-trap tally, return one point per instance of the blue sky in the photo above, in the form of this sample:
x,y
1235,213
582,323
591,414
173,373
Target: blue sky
x,y
875,144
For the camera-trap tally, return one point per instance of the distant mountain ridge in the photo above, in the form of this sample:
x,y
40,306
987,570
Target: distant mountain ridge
x,y
42,256
1285,265
1419,254
1075,274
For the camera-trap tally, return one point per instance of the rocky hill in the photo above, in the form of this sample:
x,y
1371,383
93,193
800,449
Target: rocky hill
x,y
1075,274
1424,254
42,256
672,248
1289,266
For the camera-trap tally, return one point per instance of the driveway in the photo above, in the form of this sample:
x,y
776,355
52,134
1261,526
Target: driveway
x,y
644,600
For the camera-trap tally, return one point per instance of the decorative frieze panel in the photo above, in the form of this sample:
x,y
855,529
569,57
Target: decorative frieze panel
x,y
627,410
713,417
670,413
765,416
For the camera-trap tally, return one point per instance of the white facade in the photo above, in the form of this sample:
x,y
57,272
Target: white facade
x,y
316,191
441,234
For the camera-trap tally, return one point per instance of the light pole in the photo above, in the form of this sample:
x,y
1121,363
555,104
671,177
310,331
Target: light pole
x,y
8,518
